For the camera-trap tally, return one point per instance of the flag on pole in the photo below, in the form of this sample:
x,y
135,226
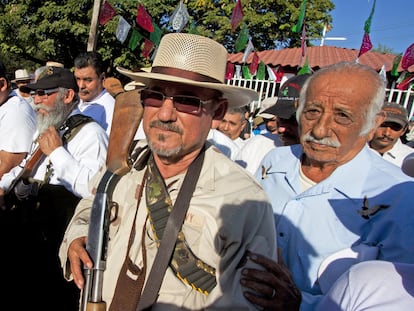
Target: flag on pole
x,y
254,64
242,39
296,28
248,50
136,37
148,46
271,73
367,27
396,62
246,72
107,13
237,71
260,75
180,17
229,71
303,41
155,36
306,69
193,28
122,29
405,84
236,15
143,19
408,58
366,44
279,74
383,74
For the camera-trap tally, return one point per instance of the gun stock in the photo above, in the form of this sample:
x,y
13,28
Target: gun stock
x,y
10,198
127,116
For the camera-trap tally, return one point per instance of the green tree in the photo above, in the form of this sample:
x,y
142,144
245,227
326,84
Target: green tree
x,y
381,48
35,31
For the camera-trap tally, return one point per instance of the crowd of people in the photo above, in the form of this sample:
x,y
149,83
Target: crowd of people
x,y
210,213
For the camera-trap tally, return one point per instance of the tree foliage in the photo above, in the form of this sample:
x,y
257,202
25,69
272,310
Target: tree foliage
x,y
381,48
35,31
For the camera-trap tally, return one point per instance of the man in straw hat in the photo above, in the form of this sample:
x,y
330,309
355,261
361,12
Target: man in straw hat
x,y
228,214
21,79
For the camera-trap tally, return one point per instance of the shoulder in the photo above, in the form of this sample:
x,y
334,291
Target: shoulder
x,y
379,168
283,154
221,172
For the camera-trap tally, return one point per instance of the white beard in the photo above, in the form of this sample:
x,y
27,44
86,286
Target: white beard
x,y
55,117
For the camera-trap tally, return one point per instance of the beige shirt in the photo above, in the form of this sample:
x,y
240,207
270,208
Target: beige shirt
x,y
228,214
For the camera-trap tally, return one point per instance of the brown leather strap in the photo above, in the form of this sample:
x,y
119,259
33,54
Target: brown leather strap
x,y
131,278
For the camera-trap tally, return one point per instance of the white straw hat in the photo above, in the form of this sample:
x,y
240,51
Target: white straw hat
x,y
264,105
21,74
202,61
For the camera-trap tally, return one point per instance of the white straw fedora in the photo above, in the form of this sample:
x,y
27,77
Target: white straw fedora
x,y
202,61
21,75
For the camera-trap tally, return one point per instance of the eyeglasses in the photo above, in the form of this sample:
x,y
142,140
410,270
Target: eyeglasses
x,y
182,103
41,93
392,125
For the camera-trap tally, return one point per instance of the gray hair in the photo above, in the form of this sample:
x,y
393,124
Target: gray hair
x,y
377,99
236,110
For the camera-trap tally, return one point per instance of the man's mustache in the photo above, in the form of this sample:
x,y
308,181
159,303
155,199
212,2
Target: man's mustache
x,y
330,142
166,126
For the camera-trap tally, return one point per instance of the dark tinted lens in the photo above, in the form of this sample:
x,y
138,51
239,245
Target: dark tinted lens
x,y
152,98
392,125
187,104
40,92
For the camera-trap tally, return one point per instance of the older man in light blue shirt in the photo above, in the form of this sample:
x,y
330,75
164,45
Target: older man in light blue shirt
x,y
335,201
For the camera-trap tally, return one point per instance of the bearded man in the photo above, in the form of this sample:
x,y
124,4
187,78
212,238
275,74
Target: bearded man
x,y
71,149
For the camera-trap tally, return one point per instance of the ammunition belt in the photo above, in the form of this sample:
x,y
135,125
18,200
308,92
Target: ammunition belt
x,y
186,265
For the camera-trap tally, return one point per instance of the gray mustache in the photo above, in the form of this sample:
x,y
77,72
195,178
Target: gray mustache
x,y
324,141
166,126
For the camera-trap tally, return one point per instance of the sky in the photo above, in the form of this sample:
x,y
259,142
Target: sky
x,y
392,24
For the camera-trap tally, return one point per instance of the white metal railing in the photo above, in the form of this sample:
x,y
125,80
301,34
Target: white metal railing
x,y
267,88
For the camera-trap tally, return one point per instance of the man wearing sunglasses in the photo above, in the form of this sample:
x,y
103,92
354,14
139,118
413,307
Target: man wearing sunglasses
x,y
386,140
228,213
40,205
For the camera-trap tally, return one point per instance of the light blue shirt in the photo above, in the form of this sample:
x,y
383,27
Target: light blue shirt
x,y
101,109
327,218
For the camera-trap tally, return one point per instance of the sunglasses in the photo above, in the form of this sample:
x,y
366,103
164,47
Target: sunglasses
x,y
392,125
41,93
182,103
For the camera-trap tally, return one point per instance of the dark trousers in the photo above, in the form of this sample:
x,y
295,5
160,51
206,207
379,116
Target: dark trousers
x,y
30,236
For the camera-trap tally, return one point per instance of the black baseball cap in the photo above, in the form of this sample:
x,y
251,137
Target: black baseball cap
x,y
395,113
288,94
54,77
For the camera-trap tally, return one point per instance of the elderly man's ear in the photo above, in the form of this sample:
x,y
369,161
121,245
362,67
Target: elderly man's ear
x,y
379,119
221,109
3,84
70,93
